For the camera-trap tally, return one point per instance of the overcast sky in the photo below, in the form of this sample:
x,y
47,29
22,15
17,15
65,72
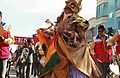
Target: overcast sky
x,y
26,16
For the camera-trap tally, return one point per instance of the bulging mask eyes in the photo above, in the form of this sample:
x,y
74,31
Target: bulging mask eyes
x,y
72,5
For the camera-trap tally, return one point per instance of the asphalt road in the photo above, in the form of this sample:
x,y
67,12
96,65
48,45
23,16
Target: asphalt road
x,y
12,72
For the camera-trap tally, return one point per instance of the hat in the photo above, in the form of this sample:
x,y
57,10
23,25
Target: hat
x,y
73,5
0,13
81,22
101,26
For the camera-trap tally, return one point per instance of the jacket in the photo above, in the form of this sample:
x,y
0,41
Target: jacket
x,y
102,54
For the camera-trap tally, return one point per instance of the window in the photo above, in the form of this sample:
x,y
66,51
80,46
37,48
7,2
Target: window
x,y
119,25
102,10
98,12
105,9
117,4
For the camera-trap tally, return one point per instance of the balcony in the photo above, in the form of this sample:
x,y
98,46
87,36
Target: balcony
x,y
102,20
118,12
99,2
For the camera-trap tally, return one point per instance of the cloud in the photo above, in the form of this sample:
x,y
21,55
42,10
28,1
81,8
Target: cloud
x,y
88,10
21,4
32,13
54,5
45,6
36,5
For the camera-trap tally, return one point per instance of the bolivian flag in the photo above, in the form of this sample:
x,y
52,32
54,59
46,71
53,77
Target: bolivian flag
x,y
52,57
43,41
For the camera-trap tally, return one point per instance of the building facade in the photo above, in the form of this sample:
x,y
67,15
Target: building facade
x,y
108,13
91,32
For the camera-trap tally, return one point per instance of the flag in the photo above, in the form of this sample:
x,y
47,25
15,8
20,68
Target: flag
x,y
43,41
1,30
51,56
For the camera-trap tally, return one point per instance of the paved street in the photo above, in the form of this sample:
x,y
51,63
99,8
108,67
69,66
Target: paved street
x,y
12,72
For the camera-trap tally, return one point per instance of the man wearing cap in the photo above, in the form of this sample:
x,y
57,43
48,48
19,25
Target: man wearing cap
x,y
26,59
6,38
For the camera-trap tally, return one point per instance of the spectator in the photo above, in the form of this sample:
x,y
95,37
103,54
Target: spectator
x,y
116,38
5,40
110,31
36,60
102,55
17,61
29,59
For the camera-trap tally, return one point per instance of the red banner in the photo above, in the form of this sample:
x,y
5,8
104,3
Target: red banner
x,y
21,40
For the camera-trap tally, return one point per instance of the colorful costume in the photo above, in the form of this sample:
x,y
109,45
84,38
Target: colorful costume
x,y
69,44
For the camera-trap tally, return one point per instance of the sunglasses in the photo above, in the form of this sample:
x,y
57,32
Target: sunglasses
x,y
100,30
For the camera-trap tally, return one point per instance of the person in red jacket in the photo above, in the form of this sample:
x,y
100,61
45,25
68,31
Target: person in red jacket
x,y
115,41
5,40
116,38
102,55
